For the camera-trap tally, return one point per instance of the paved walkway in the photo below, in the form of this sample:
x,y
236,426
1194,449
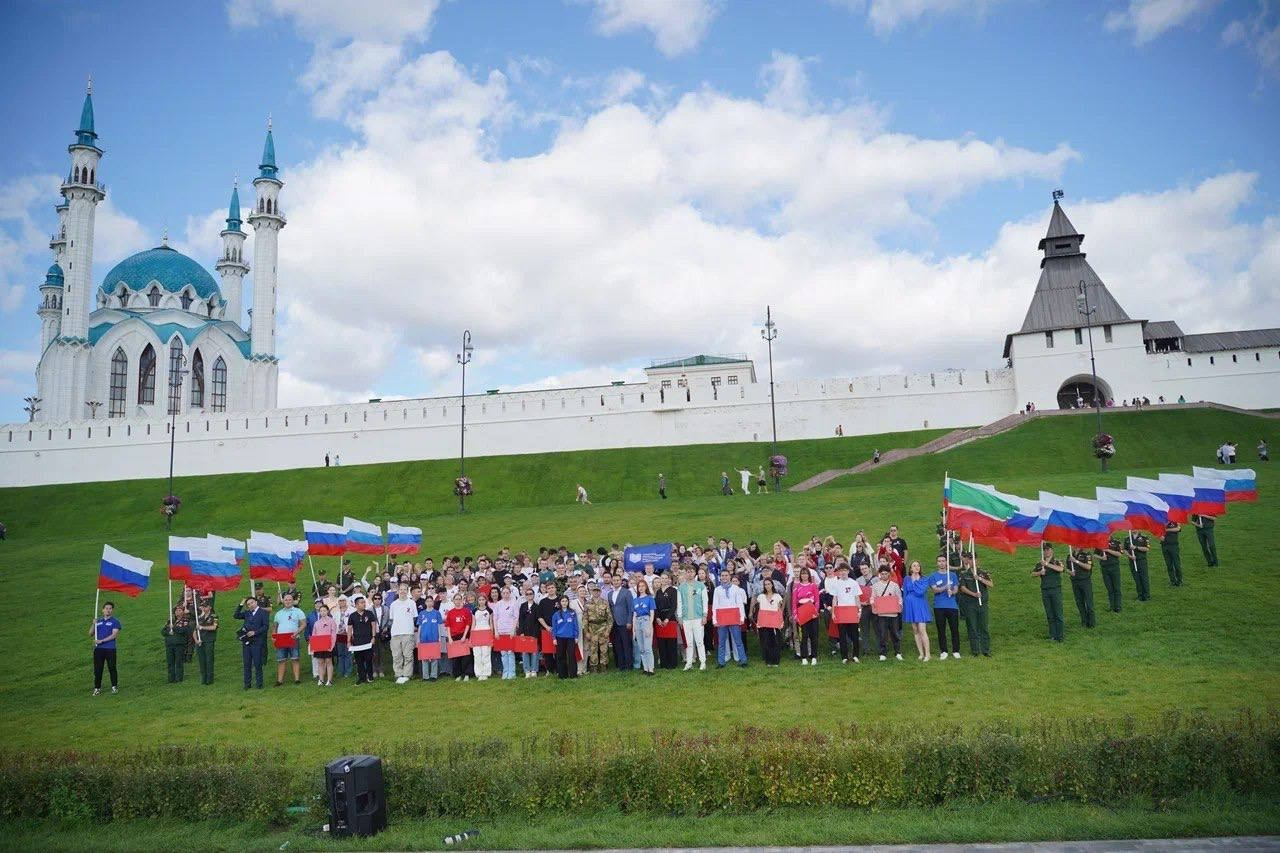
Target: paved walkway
x,y
1246,844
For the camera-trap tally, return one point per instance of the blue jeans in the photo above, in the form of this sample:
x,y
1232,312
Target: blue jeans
x,y
342,660
508,664
529,661
430,669
725,634
644,644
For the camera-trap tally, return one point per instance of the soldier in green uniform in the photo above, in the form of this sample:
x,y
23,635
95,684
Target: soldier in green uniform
x,y
1172,553
1204,533
975,606
1049,570
1080,567
176,633
1109,562
1138,547
595,635
206,635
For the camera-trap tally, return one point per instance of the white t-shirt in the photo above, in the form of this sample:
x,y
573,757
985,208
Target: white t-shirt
x,y
403,612
842,592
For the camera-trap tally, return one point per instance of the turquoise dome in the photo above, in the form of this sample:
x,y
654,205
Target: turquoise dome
x,y
171,269
53,278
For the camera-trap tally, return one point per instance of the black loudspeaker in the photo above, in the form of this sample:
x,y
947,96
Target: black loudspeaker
x,y
357,797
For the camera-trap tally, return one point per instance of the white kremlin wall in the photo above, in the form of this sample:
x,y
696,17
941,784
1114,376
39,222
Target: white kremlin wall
x,y
632,415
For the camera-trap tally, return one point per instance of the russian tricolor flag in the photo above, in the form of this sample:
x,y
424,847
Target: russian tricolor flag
x,y
226,543
120,572
324,540
1078,522
1177,496
180,555
271,557
1020,529
213,569
1143,510
1210,496
403,540
1242,483
363,537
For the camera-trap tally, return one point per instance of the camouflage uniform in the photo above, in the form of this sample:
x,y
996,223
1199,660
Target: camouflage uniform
x,y
595,636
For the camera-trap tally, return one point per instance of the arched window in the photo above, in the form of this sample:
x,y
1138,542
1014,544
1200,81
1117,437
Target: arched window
x,y
186,300
124,296
77,174
147,377
219,398
153,297
119,379
175,375
211,304
197,381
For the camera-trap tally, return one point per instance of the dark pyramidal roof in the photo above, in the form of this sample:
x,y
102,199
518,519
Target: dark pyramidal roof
x,y
1053,306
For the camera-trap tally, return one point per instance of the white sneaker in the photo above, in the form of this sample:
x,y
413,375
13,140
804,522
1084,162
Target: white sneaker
x,y
804,661
402,680
703,667
898,656
846,660
882,657
956,655
97,691
813,662
688,666
855,660
942,656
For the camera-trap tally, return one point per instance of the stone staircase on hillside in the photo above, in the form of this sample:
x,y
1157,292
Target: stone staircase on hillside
x,y
964,435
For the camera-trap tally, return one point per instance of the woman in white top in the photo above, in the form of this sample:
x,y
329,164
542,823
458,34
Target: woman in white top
x,y
770,638
482,656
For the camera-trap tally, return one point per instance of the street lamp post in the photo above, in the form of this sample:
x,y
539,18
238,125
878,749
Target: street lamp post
x,y
175,403
464,358
33,406
93,405
1083,306
770,334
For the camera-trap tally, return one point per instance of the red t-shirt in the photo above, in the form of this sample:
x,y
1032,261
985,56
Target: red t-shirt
x,y
459,620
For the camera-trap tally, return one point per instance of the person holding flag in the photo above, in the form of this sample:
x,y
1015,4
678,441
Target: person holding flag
x,y
118,572
206,637
1049,570
1109,562
1080,568
1139,546
1204,535
974,600
1172,552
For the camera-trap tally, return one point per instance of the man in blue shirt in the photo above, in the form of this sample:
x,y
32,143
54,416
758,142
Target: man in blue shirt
x,y
289,619
104,633
429,622
253,640
946,611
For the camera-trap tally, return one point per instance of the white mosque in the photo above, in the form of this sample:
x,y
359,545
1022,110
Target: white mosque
x,y
158,316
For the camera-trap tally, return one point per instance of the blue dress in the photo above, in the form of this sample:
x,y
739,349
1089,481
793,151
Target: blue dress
x,y
915,607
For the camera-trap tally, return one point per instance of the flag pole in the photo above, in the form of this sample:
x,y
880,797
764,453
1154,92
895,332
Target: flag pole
x,y
316,592
195,611
974,557
170,616
96,593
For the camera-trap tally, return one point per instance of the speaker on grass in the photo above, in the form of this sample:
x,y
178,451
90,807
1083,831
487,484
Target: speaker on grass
x,y
357,797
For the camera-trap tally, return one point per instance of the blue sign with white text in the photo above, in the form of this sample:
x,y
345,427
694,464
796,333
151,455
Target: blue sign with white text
x,y
635,557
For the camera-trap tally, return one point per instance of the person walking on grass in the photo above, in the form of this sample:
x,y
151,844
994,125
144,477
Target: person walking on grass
x,y
725,488
744,475
289,620
762,484
104,633
662,486
582,495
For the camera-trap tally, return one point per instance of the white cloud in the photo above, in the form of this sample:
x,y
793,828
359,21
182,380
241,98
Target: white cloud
x,y
786,83
357,45
886,16
1150,19
18,371
585,377
1259,33
678,26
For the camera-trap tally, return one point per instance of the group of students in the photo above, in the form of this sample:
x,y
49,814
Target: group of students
x,y
569,614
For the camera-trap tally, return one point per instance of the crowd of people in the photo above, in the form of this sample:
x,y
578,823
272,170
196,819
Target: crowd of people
x,y
569,614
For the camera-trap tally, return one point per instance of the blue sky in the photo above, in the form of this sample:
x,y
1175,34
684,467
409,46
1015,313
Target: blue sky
x,y
588,185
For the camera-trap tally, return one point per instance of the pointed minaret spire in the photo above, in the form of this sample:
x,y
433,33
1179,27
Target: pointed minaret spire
x,y
85,134
268,164
233,211
164,237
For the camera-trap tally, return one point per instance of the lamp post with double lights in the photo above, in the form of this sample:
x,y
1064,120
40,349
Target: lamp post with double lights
x,y
464,358
93,405
32,406
1083,306
770,334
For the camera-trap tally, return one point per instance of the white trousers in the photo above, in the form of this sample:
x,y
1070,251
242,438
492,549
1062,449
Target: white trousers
x,y
482,657
693,640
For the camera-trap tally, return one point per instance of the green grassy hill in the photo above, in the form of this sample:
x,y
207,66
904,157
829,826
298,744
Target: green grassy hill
x,y
1206,646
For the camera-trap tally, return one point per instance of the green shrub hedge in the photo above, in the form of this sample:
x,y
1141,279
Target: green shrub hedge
x,y
1082,760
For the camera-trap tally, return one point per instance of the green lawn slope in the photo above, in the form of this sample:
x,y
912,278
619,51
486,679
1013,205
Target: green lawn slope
x,y
1205,647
